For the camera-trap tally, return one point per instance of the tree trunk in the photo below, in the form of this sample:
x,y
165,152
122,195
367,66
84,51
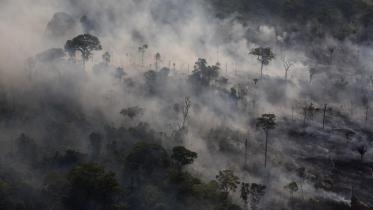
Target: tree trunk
x,y
323,119
366,115
304,119
261,70
266,149
142,59
286,75
292,113
245,164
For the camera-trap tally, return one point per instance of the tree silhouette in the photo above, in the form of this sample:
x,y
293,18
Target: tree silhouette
x,y
227,181
267,122
292,187
257,191
204,74
245,192
287,64
183,156
157,60
264,56
85,44
324,114
142,49
362,149
186,108
302,174
106,57
308,112
365,103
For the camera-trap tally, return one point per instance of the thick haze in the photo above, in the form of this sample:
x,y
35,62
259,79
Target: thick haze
x,y
181,31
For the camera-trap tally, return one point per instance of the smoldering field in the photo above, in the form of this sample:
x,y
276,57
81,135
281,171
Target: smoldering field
x,y
51,105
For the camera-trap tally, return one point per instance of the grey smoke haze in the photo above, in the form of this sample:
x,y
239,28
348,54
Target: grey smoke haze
x,y
181,31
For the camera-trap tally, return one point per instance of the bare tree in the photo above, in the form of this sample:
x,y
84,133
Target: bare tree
x,y
287,64
187,106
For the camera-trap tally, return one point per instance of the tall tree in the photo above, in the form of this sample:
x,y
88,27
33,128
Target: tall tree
x,y
227,181
186,108
85,44
245,158
287,64
324,115
267,122
142,49
264,56
245,192
157,60
365,102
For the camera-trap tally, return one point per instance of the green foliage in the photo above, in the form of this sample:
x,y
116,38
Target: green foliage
x,y
209,190
204,74
227,181
147,158
55,186
183,156
90,183
184,181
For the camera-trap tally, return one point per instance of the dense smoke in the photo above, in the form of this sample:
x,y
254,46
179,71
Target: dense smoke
x,y
58,100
